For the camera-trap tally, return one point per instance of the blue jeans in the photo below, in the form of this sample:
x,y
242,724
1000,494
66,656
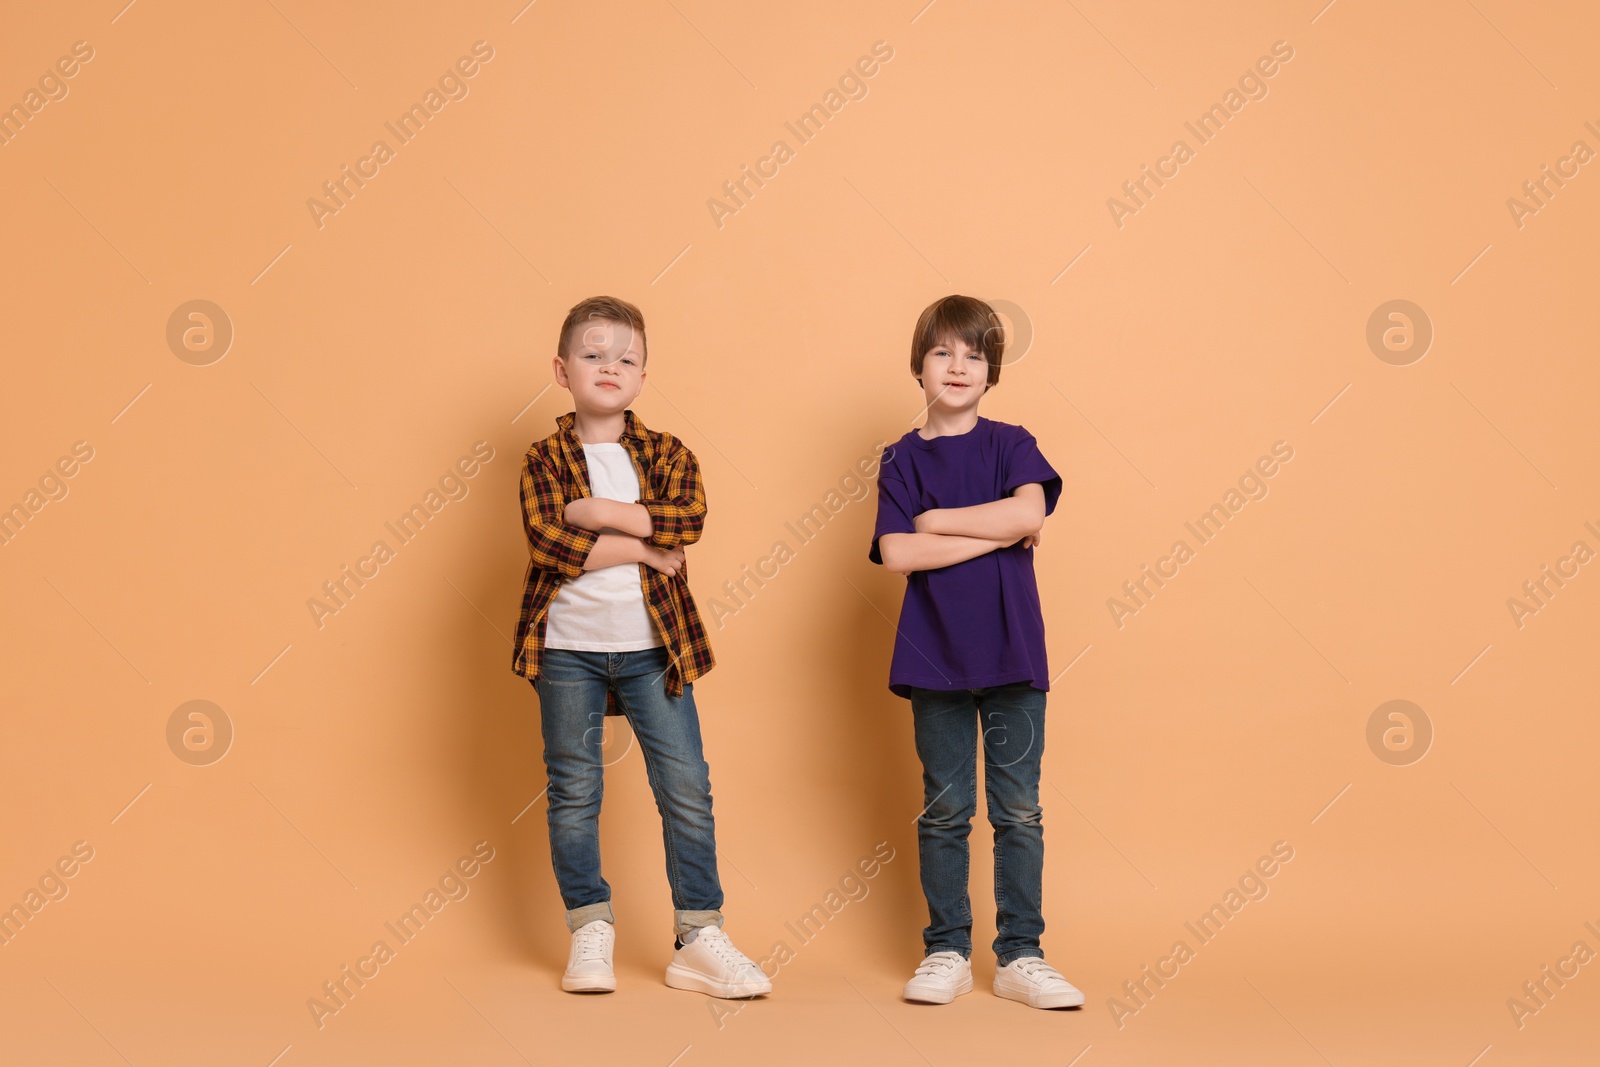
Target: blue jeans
x,y
946,724
572,701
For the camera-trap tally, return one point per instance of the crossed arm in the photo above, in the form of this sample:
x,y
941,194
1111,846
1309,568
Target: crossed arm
x,y
590,533
624,531
946,536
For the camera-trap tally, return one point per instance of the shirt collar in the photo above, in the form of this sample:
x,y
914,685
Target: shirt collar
x,y
632,427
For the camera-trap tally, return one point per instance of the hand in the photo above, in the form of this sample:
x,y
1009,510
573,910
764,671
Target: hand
x,y
584,511
668,561
1033,538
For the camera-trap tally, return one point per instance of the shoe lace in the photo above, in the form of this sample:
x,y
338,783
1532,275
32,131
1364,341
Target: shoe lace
x,y
589,944
724,949
940,963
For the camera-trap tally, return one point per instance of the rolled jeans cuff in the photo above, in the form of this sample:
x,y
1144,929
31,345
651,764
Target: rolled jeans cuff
x,y
587,914
684,921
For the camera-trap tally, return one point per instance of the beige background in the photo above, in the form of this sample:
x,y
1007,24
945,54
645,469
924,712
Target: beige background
x,y
1168,354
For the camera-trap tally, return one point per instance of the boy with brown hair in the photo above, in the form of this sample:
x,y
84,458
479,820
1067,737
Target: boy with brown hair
x,y
608,627
961,502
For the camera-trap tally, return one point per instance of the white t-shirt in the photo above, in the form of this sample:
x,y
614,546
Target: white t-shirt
x,y
604,610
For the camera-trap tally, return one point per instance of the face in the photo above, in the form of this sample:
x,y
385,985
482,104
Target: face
x,y
604,366
954,376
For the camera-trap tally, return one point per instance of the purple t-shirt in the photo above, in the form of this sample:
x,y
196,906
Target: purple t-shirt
x,y
977,623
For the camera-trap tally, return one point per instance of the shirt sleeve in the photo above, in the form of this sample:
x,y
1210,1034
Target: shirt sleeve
x,y
679,515
896,508
1024,463
553,544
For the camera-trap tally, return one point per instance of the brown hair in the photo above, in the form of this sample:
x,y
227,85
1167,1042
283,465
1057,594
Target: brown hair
x,y
609,309
963,317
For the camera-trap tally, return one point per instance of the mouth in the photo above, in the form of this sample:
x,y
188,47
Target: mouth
x,y
956,385
610,385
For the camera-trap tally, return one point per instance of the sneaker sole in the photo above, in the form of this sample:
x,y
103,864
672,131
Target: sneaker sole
x,y
1033,1000
589,983
680,977
938,998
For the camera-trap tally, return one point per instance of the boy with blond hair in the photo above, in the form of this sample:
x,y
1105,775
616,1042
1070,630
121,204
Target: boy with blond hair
x,y
608,627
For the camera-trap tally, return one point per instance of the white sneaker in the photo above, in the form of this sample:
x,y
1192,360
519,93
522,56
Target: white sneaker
x,y
1034,982
589,962
710,964
940,978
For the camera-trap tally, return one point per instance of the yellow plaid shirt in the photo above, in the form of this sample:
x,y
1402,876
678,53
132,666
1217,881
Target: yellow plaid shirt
x,y
555,471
